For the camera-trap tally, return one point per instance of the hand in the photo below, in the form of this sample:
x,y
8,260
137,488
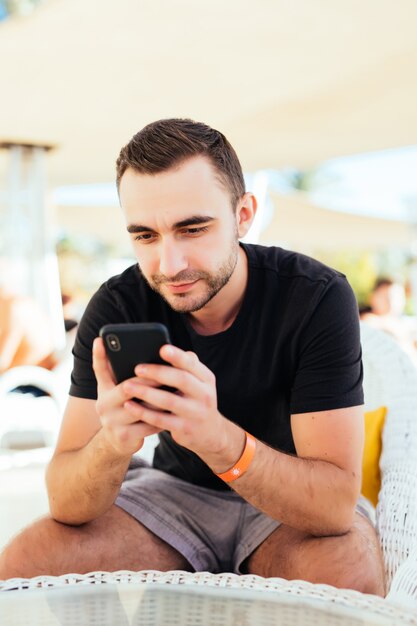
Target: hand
x,y
193,417
120,427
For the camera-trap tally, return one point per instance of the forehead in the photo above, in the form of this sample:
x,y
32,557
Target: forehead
x,y
192,185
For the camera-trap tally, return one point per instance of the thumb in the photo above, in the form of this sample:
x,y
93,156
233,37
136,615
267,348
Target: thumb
x,y
101,366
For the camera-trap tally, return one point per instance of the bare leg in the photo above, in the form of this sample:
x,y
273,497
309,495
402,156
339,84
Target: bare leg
x,y
112,542
350,561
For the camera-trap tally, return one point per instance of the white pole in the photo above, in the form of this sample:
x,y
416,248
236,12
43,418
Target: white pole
x,y
28,243
44,275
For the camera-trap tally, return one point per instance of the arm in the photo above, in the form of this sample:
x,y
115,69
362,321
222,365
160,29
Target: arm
x,y
84,474
314,492
94,448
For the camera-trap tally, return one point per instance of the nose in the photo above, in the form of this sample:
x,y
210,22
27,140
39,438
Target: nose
x,y
172,258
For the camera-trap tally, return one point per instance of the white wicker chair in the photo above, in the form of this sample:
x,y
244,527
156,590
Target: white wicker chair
x,y
390,380
27,422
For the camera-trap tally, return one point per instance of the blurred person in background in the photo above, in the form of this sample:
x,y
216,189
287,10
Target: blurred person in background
x,y
69,309
258,467
387,303
25,329
388,298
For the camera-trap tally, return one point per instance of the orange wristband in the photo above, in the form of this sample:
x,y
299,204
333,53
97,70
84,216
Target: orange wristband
x,y
243,463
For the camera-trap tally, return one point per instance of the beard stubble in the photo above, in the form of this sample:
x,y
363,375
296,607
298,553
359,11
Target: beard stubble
x,y
184,302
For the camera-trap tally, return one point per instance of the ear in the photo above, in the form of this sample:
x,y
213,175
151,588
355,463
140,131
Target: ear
x,y
245,213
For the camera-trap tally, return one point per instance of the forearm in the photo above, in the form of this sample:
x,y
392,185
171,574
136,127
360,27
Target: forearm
x,y
82,484
314,496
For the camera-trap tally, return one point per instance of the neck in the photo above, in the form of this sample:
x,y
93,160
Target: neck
x,y
220,313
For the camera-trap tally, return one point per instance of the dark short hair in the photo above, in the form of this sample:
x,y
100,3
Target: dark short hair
x,y
382,282
166,143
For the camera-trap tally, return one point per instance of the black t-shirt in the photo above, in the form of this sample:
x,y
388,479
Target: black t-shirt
x,y
294,347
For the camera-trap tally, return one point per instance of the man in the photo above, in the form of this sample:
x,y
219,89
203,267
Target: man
x,y
265,342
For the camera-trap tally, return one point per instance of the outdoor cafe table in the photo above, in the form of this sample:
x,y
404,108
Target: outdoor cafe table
x,y
153,604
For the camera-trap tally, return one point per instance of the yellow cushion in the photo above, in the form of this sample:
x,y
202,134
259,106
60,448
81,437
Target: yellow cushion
x,y
371,476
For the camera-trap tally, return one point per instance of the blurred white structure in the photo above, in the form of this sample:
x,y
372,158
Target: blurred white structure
x,y
258,184
289,83
27,244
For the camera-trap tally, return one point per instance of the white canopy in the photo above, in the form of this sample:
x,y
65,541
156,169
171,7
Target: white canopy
x,y
289,83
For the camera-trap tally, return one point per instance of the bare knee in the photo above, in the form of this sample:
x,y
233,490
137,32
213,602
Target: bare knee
x,y
351,561
34,551
112,542
362,553
371,577
368,573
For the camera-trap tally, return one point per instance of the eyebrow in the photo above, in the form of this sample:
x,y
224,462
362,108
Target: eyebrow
x,y
189,221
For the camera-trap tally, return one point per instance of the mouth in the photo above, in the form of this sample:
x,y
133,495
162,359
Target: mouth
x,y
180,287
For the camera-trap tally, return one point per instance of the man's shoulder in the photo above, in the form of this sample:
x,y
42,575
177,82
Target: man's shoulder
x,y
121,292
125,284
131,275
287,264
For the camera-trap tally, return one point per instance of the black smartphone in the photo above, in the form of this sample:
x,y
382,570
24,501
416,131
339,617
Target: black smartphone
x,y
127,345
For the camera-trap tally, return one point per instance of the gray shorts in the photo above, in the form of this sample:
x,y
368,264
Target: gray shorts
x,y
214,530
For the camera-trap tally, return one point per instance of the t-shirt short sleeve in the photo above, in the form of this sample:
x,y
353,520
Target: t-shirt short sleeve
x,y
102,309
329,373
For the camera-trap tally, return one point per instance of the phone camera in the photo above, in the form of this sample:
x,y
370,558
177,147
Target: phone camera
x,y
113,343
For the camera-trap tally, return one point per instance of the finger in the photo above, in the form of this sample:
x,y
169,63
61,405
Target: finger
x,y
119,394
101,366
162,400
187,361
156,419
118,417
139,430
132,436
147,381
178,379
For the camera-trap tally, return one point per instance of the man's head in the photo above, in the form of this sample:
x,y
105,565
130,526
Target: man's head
x,y
165,144
182,191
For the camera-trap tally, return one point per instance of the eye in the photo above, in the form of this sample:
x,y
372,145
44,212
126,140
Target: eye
x,y
144,237
197,230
